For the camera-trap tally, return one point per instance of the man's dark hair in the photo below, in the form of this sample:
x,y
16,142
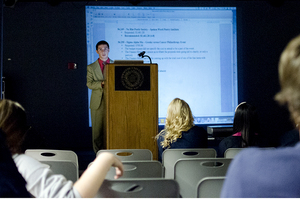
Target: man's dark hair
x,y
100,43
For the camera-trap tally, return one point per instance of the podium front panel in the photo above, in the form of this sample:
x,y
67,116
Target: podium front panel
x,y
131,97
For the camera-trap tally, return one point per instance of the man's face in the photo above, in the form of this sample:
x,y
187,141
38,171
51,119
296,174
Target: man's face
x,y
103,51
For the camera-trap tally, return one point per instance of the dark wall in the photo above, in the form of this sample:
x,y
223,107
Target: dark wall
x,y
40,39
266,30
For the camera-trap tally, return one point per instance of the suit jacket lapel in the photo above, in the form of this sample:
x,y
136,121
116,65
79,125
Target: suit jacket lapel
x,y
97,70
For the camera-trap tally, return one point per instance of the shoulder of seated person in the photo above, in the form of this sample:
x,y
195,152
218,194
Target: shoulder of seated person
x,y
25,159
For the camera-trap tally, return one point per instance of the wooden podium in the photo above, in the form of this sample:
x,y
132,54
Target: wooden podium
x,y
131,98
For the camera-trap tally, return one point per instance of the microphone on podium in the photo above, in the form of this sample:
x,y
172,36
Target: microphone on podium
x,y
142,54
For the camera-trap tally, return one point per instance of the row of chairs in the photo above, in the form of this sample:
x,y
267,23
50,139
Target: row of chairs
x,y
177,165
175,175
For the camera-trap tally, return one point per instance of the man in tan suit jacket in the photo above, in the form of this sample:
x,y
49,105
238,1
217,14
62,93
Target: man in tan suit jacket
x,y
95,82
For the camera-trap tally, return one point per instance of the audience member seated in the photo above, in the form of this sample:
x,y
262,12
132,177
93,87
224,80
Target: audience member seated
x,y
12,184
272,173
40,180
245,129
180,131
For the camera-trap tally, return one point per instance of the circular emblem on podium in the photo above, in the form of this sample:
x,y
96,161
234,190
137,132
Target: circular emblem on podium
x,y
132,78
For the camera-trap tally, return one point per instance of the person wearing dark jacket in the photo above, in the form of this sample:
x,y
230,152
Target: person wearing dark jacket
x,y
246,129
271,173
12,184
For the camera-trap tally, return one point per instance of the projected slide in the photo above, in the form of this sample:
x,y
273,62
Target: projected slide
x,y
194,47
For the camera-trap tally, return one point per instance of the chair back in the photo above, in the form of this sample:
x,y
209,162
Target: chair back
x,y
232,152
59,161
210,187
139,188
188,172
129,154
138,169
170,156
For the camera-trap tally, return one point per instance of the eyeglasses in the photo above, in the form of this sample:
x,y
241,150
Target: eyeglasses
x,y
103,49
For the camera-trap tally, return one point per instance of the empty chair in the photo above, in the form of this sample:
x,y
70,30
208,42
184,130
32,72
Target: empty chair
x,y
210,187
170,156
139,188
59,161
189,171
139,169
130,154
231,152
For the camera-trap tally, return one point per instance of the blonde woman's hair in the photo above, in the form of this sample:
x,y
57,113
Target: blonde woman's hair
x,y
289,78
179,118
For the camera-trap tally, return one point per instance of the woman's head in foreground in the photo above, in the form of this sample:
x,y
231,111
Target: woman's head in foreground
x,y
13,123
